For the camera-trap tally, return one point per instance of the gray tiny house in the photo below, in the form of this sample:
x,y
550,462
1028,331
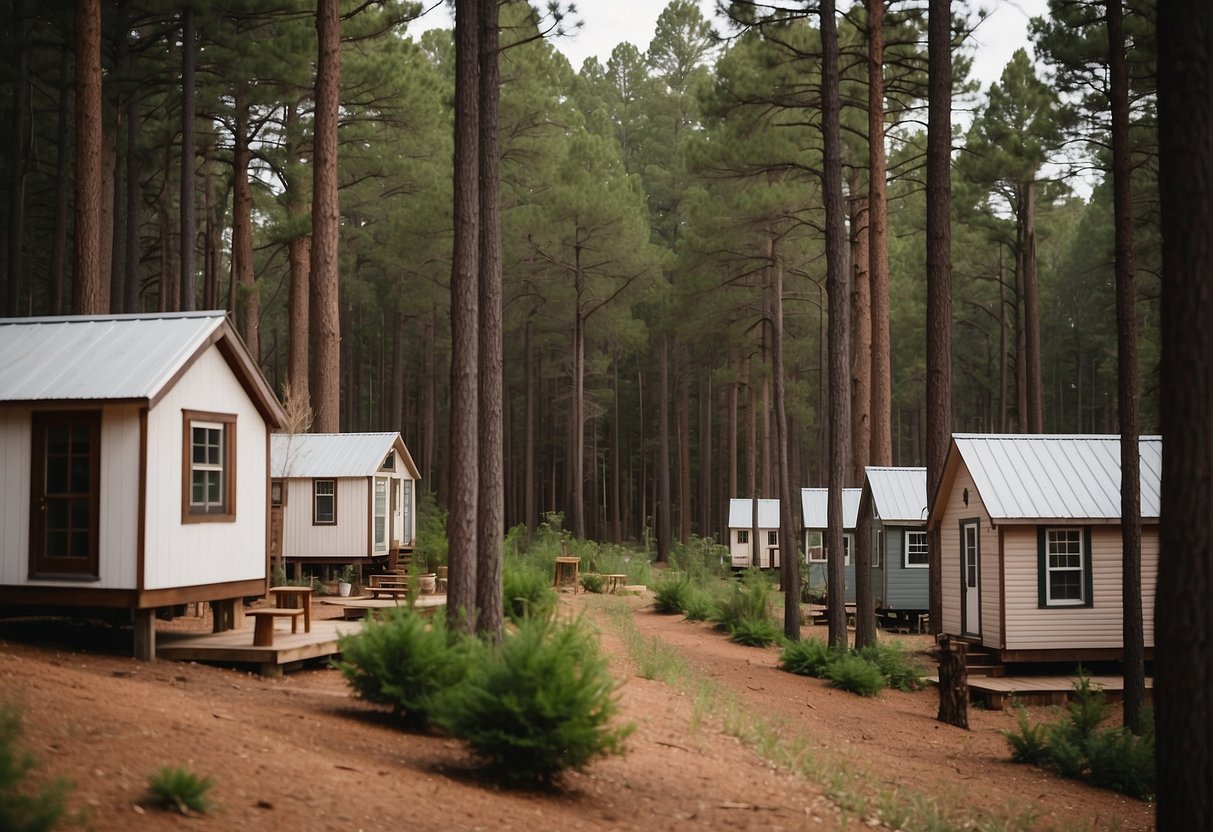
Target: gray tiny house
x,y
893,505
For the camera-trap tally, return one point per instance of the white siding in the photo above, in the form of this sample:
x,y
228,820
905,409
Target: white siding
x,y
1031,628
955,511
188,554
741,553
349,538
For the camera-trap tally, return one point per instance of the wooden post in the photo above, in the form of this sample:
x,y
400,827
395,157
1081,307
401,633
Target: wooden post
x,y
145,635
953,683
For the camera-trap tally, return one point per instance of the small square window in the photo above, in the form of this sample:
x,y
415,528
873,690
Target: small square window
x,y
743,536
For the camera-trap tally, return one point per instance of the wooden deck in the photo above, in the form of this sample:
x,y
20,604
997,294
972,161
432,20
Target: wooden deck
x,y
236,646
998,692
357,607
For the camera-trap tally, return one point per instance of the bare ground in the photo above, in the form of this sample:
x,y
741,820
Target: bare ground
x,y
301,753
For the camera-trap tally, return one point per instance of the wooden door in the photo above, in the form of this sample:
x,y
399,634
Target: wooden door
x,y
65,494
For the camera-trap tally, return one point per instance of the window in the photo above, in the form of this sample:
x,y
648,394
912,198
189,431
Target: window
x,y
916,550
379,514
743,536
1065,567
877,547
324,502
814,548
277,493
772,538
848,541
389,463
209,467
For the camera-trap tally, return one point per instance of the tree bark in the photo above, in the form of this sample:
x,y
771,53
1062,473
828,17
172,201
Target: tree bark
x,y
463,456
246,303
491,449
685,501
1126,359
91,291
663,455
706,462
528,450
878,245
789,558
189,214
18,164
1183,617
861,340
939,275
58,264
953,684
1031,283
836,289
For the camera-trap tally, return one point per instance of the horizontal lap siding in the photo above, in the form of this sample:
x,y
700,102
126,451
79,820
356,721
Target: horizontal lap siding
x,y
908,587
955,510
1030,627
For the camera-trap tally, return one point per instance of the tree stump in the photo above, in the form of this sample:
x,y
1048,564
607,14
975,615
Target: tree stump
x,y
953,683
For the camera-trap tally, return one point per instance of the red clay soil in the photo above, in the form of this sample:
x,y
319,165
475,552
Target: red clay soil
x,y
300,753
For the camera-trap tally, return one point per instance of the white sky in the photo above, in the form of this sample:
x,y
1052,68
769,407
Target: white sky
x,y
607,23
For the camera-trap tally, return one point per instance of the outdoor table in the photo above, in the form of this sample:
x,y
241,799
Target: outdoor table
x,y
286,597
566,567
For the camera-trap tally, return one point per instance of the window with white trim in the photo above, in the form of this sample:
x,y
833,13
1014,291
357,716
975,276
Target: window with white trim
x,y
848,543
916,550
772,538
815,547
324,502
877,547
1065,562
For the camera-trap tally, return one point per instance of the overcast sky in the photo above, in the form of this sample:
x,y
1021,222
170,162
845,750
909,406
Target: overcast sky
x,y
607,23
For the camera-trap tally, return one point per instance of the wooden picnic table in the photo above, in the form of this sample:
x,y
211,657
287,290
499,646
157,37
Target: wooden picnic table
x,y
294,597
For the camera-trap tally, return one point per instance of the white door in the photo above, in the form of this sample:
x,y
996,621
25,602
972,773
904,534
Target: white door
x,y
380,515
970,565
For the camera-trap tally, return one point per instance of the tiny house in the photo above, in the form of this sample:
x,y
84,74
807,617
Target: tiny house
x,y
134,465
814,504
339,498
1031,553
893,507
741,530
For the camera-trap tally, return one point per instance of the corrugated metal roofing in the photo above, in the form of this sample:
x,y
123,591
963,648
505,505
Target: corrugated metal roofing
x,y
899,494
741,513
814,503
1038,477
98,357
329,454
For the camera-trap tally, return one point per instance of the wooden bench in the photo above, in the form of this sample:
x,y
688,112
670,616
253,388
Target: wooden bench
x,y
612,582
263,630
389,580
393,592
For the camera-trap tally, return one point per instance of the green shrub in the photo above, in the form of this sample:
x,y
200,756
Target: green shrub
x,y
896,664
592,582
539,704
670,595
697,606
406,661
745,599
855,674
1075,747
527,591
430,550
23,807
701,558
807,657
176,787
755,632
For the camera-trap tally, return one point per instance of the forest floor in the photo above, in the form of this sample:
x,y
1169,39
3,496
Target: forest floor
x,y
727,742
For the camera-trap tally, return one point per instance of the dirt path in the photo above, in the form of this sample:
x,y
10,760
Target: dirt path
x,y
301,754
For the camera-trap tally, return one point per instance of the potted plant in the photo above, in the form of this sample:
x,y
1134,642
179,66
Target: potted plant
x,y
345,581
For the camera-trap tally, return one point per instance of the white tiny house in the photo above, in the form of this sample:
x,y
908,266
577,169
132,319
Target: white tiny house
x,y
134,454
814,503
342,498
741,529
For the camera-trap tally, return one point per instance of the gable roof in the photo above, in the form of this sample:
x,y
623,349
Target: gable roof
x,y
308,455
899,494
120,358
741,513
814,503
1032,478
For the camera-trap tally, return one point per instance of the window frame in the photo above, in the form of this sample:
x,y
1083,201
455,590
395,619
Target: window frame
x,y
820,545
772,537
743,537
905,549
225,511
877,547
316,521
1046,570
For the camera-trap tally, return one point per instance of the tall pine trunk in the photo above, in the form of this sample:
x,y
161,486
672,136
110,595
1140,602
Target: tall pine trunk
x,y
663,454
18,164
1183,616
836,289
789,559
189,218
939,277
1031,285
245,302
861,340
90,294
878,245
1126,358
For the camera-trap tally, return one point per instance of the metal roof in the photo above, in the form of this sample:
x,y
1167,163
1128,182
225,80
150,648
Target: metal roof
x,y
814,505
310,455
1043,477
898,494
741,513
98,357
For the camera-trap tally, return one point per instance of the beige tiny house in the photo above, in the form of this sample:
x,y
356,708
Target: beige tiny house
x,y
342,498
1031,553
134,464
741,529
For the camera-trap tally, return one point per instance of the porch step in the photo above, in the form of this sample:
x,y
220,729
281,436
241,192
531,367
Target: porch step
x,y
981,661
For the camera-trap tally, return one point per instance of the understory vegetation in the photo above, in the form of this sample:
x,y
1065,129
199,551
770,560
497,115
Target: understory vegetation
x,y
25,806
1076,747
866,671
178,789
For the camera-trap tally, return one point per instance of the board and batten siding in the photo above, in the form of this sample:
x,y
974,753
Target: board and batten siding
x,y
193,554
348,538
988,578
1031,627
118,508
